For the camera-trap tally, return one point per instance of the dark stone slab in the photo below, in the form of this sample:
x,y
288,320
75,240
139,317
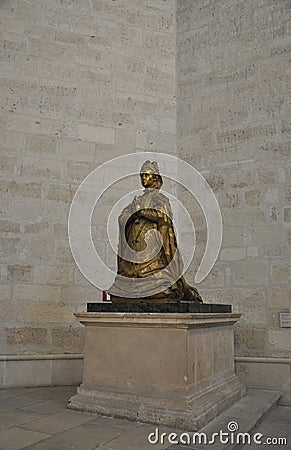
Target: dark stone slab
x,y
147,307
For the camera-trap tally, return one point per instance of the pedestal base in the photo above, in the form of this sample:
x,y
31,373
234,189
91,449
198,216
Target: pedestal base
x,y
162,368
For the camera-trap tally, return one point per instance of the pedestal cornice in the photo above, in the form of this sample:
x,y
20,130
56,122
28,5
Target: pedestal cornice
x,y
158,320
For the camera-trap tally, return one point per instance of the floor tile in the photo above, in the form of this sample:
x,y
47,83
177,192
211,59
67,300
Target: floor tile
x,y
16,417
61,421
19,438
84,437
138,439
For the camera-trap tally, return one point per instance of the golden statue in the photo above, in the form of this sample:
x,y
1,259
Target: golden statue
x,y
141,276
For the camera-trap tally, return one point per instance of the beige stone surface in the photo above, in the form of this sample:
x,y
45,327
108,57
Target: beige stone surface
x,y
31,373
232,123
15,438
260,373
32,370
84,83
78,83
170,369
83,431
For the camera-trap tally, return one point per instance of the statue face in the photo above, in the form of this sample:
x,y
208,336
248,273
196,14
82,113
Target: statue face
x,y
147,179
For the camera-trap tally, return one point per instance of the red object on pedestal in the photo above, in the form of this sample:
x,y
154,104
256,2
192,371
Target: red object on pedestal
x,y
106,297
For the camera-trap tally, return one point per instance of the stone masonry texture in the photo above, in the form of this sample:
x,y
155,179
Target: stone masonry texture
x,y
81,82
232,112
84,81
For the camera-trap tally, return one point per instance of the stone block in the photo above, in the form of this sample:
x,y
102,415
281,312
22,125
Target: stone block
x,y
20,436
42,145
280,273
18,273
7,226
67,339
156,379
2,372
286,394
61,193
245,133
268,177
8,246
60,230
16,142
76,150
63,252
65,71
18,189
7,312
39,168
160,142
95,74
28,12
7,164
252,373
102,135
231,236
5,291
89,98
165,88
216,182
254,312
49,275
80,280
250,338
28,373
27,337
252,251
88,56
74,294
137,102
165,23
268,234
228,199
287,215
253,197
67,372
50,211
29,125
168,126
38,228
52,50
280,339
249,273
232,253
37,293
36,249
11,25
77,171
215,279
44,313
36,66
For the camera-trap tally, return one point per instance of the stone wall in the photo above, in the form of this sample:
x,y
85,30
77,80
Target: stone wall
x,y
232,71
81,82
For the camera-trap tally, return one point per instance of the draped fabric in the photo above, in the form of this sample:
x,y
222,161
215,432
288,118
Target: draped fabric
x,y
159,276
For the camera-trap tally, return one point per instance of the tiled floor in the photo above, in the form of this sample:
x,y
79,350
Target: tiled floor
x,y
37,419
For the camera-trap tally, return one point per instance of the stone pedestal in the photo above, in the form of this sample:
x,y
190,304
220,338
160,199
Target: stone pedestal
x,y
175,369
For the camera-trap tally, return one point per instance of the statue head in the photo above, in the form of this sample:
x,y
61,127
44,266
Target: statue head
x,y
150,175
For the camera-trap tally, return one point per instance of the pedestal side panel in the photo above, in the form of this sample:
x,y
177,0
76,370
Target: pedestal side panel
x,y
143,360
